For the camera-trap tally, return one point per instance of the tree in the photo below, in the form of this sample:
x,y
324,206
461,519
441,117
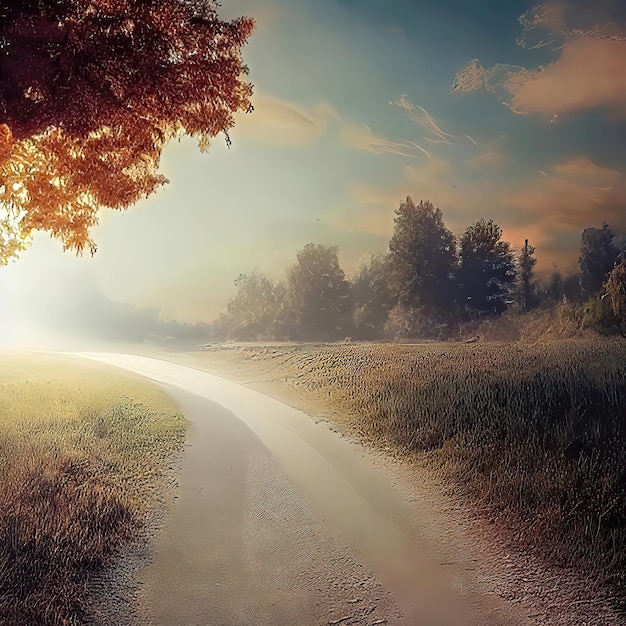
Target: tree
x,y
423,254
372,297
251,314
317,299
572,290
486,269
526,292
555,286
91,91
597,257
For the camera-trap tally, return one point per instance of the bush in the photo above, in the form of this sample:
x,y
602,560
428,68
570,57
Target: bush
x,y
598,315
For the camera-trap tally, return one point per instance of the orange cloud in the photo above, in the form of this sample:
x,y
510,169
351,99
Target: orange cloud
x,y
574,195
488,159
590,71
582,168
569,201
373,207
551,210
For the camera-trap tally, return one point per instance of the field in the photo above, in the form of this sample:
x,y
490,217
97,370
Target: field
x,y
533,435
83,452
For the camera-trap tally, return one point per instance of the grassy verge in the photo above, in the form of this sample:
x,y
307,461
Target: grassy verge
x,y
534,434
83,450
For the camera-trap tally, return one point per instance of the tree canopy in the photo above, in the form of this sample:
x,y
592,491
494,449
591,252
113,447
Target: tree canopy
x,y
90,93
372,296
251,313
597,257
423,253
486,269
317,298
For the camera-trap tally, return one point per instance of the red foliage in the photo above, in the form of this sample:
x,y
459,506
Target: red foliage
x,y
91,91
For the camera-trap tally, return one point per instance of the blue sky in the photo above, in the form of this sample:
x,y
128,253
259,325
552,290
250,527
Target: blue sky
x,y
359,103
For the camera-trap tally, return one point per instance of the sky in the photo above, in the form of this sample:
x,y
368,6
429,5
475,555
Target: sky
x,y
512,111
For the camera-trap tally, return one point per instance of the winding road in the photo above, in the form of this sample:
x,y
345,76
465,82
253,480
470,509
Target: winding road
x,y
280,521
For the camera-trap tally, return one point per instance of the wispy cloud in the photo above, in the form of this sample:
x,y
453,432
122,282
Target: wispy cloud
x,y
362,138
434,132
279,122
490,158
590,72
552,24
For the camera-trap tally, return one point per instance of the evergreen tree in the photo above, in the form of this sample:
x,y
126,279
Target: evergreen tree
x,y
526,289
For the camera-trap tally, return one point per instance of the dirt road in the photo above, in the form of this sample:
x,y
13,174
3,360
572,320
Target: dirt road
x,y
279,520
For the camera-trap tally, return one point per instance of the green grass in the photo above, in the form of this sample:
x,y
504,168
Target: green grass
x,y
534,434
83,450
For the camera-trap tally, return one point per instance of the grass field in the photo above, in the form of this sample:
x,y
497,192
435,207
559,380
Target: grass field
x,y
83,452
535,435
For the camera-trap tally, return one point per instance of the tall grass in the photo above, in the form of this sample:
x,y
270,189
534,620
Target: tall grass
x,y
82,452
536,434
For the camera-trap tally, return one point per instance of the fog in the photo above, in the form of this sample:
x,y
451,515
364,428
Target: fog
x,y
54,307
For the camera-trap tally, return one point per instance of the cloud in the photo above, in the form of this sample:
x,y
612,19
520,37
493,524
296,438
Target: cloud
x,y
590,72
362,138
278,122
584,169
571,196
550,208
372,207
552,24
434,132
488,159
574,194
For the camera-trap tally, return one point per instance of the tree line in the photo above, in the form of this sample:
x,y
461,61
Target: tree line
x,y
428,284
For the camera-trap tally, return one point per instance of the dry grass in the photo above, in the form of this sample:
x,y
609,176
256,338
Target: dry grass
x,y
82,453
535,434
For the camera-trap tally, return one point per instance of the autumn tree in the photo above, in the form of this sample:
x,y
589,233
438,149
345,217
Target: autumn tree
x,y
317,299
597,258
91,91
486,269
423,255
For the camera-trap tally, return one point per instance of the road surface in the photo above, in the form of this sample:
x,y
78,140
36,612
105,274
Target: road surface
x,y
280,521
